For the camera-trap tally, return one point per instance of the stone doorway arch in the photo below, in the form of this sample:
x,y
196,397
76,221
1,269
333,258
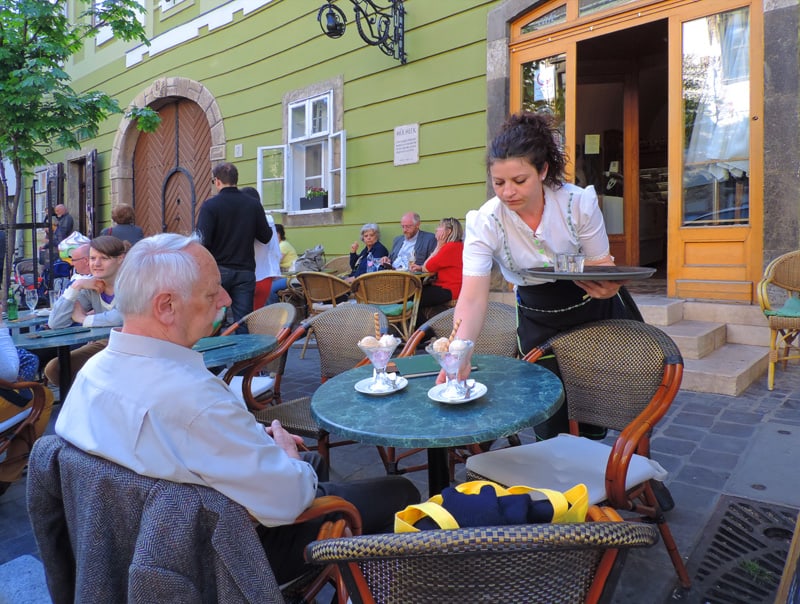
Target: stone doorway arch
x,y
160,93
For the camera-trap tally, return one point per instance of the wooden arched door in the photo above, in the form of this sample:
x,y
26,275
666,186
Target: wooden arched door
x,y
172,170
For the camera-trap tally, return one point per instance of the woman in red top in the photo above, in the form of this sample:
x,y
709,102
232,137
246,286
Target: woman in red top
x,y
445,263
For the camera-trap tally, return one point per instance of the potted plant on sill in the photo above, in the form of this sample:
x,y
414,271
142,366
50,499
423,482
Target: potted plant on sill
x,y
316,198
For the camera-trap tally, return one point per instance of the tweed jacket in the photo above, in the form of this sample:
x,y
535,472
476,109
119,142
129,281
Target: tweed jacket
x,y
106,534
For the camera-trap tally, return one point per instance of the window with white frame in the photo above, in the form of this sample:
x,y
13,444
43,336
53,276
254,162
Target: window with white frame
x,y
307,173
168,4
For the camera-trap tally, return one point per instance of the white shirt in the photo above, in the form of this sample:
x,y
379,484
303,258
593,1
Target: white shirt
x,y
268,255
153,407
406,253
571,222
9,359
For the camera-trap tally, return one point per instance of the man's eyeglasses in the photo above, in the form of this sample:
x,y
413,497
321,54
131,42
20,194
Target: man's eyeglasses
x,y
74,259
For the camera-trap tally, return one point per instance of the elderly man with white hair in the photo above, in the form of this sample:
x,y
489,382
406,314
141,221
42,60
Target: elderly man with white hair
x,y
148,403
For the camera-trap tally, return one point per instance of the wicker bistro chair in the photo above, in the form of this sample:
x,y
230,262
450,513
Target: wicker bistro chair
x,y
337,330
783,273
19,428
618,374
246,379
518,563
396,293
498,335
322,291
104,531
339,266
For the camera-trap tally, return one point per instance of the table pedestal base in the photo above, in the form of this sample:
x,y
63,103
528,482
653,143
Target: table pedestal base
x,y
438,470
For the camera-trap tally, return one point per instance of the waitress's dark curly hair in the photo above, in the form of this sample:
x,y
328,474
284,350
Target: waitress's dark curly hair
x,y
533,137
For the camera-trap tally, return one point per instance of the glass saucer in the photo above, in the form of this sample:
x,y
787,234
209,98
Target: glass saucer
x,y
477,391
362,386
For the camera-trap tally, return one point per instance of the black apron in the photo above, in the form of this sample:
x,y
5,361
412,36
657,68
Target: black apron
x,y
551,308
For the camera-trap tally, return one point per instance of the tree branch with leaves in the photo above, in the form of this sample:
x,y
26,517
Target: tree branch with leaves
x,y
39,110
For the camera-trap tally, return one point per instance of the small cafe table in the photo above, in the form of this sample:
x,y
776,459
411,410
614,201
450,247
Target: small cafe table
x,y
26,320
62,340
519,395
219,351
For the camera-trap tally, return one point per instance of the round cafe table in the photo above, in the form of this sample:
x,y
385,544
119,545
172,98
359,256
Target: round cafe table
x,y
26,320
519,395
62,340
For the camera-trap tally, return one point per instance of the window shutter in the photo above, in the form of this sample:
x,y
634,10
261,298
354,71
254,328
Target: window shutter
x,y
91,193
337,176
272,174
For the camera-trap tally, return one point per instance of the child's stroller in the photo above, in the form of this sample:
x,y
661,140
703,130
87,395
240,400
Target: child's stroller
x,y
25,278
62,273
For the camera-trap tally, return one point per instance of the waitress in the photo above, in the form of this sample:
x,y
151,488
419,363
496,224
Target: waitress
x,y
534,216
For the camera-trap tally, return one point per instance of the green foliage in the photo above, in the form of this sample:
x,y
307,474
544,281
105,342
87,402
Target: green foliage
x,y
147,119
39,110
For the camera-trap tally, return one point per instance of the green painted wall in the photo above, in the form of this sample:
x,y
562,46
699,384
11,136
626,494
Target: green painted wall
x,y
250,64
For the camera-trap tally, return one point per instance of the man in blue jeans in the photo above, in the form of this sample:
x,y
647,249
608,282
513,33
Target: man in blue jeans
x,y
229,223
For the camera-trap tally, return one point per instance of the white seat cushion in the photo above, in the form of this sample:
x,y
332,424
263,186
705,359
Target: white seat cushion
x,y
15,419
260,385
560,463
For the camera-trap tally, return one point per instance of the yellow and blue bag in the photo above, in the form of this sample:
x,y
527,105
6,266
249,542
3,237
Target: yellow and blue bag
x,y
485,503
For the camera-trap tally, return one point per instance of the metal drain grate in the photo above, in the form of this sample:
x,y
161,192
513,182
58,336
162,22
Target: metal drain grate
x,y
741,558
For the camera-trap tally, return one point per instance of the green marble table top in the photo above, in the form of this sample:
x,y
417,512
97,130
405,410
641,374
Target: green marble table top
x,y
520,394
219,351
26,319
30,341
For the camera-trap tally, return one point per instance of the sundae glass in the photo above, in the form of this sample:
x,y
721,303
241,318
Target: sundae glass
x,y
452,356
379,351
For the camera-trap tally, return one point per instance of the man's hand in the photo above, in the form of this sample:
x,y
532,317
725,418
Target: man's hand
x,y
286,441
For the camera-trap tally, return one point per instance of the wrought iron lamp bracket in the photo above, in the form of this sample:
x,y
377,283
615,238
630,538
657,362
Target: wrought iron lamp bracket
x,y
381,26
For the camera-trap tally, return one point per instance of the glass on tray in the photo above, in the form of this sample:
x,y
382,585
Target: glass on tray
x,y
379,351
452,356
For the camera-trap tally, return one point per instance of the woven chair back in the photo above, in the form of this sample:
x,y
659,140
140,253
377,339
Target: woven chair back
x,y
270,320
322,288
389,288
784,272
612,369
338,331
498,335
519,563
339,266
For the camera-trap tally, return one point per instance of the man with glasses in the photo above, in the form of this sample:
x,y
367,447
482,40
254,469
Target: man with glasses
x,y
412,247
80,262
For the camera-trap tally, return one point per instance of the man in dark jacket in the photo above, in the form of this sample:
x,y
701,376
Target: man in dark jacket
x,y
65,225
228,224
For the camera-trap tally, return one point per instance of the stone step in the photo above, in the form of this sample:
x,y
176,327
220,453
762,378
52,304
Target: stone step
x,y
728,370
696,339
659,310
737,314
755,335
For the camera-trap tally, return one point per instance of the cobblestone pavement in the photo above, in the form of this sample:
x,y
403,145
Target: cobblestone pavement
x,y
712,445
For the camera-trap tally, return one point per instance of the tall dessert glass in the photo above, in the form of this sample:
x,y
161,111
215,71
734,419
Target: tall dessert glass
x,y
379,352
452,360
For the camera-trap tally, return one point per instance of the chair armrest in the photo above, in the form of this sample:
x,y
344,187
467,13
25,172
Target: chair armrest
x,y
331,504
635,438
36,406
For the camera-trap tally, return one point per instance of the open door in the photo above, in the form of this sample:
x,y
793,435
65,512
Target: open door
x,y
716,103
659,105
